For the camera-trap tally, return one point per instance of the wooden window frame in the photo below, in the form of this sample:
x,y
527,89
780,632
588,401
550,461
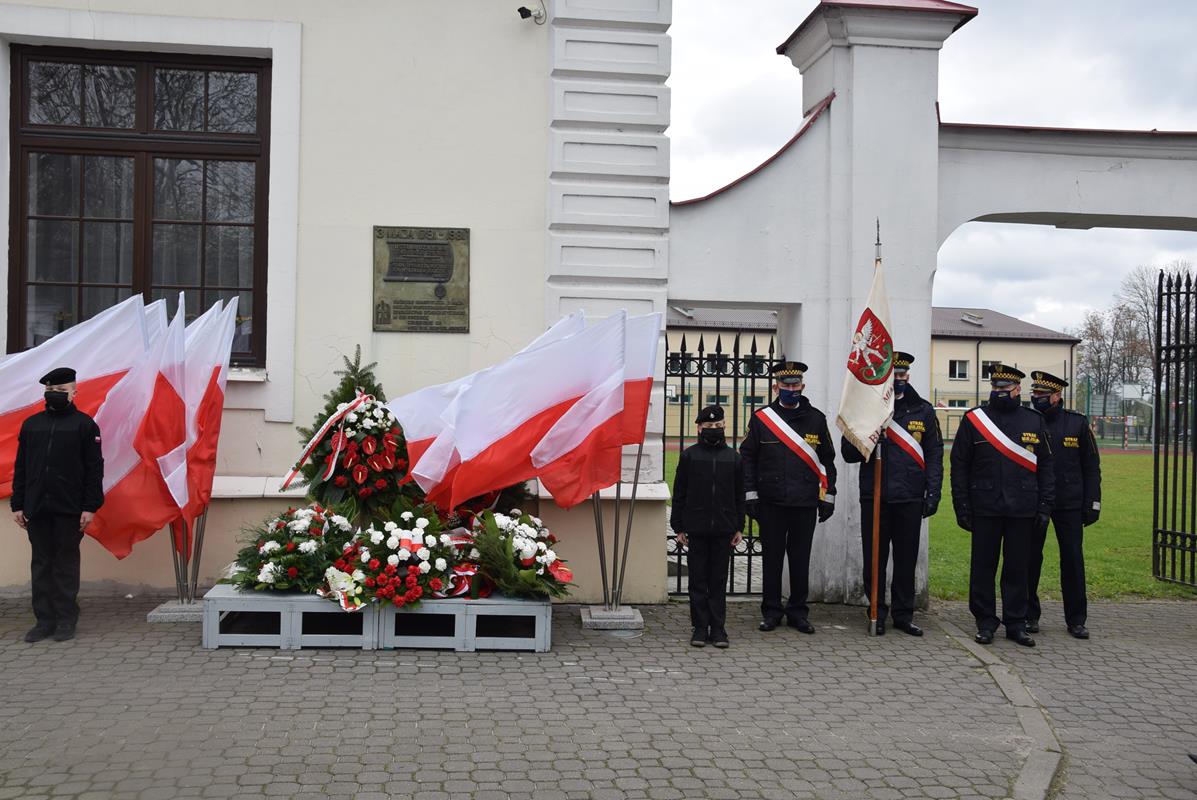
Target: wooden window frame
x,y
144,144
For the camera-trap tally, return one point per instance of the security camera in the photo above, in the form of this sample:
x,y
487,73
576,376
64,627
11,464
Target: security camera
x,y
536,16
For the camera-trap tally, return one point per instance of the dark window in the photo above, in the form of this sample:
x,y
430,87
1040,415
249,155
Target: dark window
x,y
137,173
716,399
987,368
957,369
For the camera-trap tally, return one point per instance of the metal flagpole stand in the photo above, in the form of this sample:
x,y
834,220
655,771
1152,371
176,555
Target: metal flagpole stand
x,y
611,615
875,589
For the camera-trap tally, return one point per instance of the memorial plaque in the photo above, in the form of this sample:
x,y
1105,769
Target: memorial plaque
x,y
422,280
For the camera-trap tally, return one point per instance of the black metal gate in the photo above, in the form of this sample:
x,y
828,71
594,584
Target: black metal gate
x,y
1174,518
737,379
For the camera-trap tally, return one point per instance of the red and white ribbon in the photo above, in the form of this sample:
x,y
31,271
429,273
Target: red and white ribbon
x,y
897,434
337,419
459,581
790,438
1001,442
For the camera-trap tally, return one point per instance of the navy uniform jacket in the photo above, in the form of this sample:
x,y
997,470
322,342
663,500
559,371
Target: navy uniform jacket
x,y
902,479
59,467
773,473
708,491
986,483
1077,463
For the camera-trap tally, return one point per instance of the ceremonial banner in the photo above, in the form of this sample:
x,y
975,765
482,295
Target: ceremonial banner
x,y
640,364
867,402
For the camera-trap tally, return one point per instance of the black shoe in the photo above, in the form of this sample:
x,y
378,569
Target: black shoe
x,y
908,627
38,632
64,631
1078,631
769,624
801,625
720,640
983,637
1032,626
880,629
1193,757
1020,637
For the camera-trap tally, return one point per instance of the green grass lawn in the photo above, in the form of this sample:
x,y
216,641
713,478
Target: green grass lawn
x,y
1117,547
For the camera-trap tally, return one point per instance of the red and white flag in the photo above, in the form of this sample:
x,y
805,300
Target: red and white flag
x,y
509,409
867,403
101,350
582,452
640,366
144,423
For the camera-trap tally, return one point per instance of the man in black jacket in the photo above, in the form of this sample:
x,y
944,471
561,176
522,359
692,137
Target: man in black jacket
x,y
1078,502
911,481
57,487
789,478
1003,485
708,517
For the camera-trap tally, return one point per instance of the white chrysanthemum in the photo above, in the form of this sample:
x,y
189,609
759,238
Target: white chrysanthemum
x,y
540,571
502,520
378,413
367,423
308,547
515,512
406,515
441,565
341,522
421,523
474,554
549,556
404,554
423,554
352,417
342,406
425,567
390,526
299,524
376,537
541,546
266,574
430,540
393,543
445,540
269,547
365,555
393,560
529,551
537,521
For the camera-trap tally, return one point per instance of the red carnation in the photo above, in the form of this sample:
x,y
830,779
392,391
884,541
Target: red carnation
x,y
369,583
400,463
369,445
419,590
292,572
395,430
290,547
340,564
341,481
435,584
390,570
552,539
413,570
373,563
380,484
398,601
382,580
411,581
280,524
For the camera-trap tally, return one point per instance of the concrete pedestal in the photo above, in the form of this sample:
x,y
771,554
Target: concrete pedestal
x,y
624,618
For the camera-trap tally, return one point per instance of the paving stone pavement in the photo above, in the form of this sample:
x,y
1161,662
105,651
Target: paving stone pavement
x,y
1123,704
140,711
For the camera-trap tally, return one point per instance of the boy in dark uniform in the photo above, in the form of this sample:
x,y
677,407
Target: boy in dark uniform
x,y
708,517
57,487
1078,502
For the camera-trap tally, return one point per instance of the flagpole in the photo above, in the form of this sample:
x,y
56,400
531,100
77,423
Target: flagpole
x,y
873,595
615,546
602,548
628,528
201,522
176,558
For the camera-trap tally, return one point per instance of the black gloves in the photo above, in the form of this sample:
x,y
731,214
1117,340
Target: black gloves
x,y
964,518
1041,520
1090,515
753,508
826,509
930,506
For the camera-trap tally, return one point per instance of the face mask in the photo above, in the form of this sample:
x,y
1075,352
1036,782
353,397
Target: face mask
x,y
900,386
1043,404
789,397
1002,400
712,436
57,400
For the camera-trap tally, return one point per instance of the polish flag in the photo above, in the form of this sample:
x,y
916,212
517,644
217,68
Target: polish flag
x,y
144,423
101,350
640,365
156,321
426,415
510,408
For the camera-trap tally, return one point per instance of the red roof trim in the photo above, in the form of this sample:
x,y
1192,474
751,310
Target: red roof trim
x,y
1042,129
937,7
819,108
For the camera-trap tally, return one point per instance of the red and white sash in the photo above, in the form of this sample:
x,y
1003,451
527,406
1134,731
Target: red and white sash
x,y
790,438
901,437
1001,442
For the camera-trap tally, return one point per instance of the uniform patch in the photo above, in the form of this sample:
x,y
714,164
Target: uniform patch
x,y
1071,441
812,439
1030,438
915,425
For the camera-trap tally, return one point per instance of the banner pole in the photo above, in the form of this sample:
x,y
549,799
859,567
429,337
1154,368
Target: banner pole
x,y
876,540
602,548
615,546
201,522
175,560
627,536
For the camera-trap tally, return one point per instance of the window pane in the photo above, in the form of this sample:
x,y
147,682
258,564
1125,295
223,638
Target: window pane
x,y
54,93
53,250
230,191
54,184
109,96
179,99
49,310
176,255
178,187
171,296
233,102
98,298
229,256
107,253
242,338
108,187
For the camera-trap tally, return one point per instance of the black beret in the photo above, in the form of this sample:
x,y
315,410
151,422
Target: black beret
x,y
710,414
58,376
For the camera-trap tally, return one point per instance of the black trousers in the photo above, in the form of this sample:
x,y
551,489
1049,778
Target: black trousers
x,y
900,526
786,531
1011,538
1070,536
54,567
708,557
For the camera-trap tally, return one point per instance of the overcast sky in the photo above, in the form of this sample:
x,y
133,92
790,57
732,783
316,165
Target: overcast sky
x,y
1066,63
